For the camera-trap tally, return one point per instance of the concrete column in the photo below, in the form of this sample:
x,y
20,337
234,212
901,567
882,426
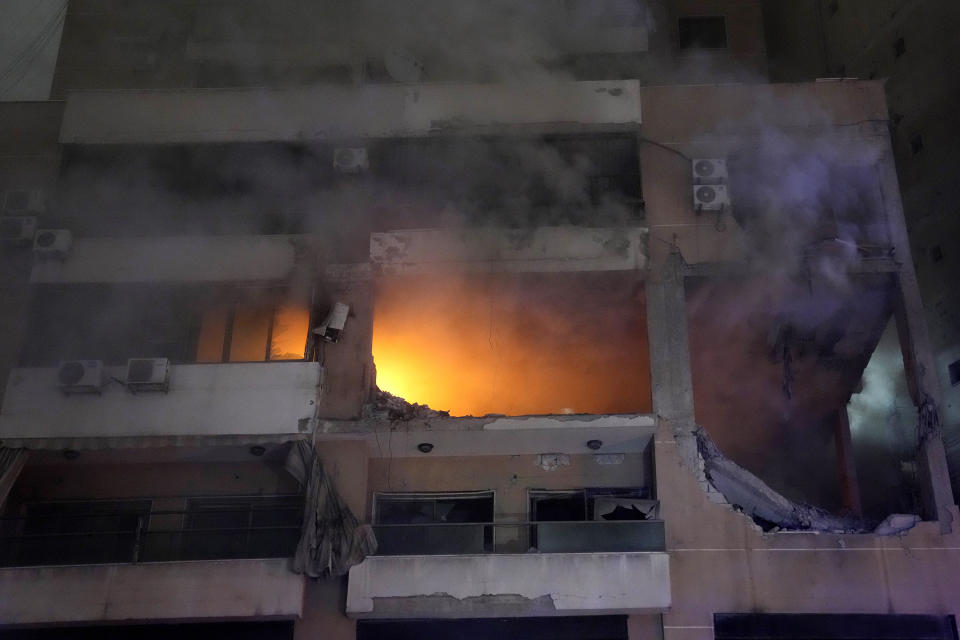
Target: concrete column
x,y
915,344
846,464
669,351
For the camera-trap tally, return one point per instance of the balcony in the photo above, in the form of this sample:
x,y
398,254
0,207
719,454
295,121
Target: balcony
x,y
513,569
83,536
104,561
262,399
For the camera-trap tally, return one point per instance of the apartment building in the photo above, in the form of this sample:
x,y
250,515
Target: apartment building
x,y
341,324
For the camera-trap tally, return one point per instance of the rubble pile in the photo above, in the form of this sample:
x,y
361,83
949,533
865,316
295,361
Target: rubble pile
x,y
386,406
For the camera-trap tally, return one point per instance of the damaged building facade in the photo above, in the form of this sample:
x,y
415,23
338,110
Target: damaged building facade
x,y
325,332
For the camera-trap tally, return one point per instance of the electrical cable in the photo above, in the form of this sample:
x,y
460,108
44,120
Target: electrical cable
x,y
666,147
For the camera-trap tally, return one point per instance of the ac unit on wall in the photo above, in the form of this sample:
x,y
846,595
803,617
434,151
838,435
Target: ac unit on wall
x,y
709,170
148,374
350,159
18,231
52,243
22,202
710,197
80,376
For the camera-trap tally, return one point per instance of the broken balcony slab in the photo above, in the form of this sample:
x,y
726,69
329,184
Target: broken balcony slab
x,y
515,585
496,435
489,249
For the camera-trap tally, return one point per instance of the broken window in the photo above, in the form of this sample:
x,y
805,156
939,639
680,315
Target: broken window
x,y
594,519
516,344
434,523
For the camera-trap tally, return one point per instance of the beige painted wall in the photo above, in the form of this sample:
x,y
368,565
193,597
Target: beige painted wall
x,y
508,476
721,562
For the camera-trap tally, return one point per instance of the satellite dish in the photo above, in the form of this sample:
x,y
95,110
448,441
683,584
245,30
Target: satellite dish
x,y
402,65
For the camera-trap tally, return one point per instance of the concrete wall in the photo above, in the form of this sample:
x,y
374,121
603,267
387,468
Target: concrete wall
x,y
170,591
714,121
272,399
720,561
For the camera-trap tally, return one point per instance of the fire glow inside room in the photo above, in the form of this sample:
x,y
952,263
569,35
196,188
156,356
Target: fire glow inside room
x,y
514,343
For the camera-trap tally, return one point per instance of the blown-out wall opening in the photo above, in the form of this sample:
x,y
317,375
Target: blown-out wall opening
x,y
514,344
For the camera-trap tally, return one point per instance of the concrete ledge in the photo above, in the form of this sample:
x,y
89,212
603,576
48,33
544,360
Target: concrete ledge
x,y
509,585
544,249
169,591
204,400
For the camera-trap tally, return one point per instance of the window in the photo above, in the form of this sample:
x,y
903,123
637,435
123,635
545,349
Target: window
x,y
954,370
601,503
185,324
240,527
597,519
434,523
425,508
703,32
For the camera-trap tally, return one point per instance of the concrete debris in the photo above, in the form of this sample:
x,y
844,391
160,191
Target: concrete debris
x,y
386,406
768,508
552,461
897,524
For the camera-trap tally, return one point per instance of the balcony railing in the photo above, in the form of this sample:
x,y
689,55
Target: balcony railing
x,y
127,537
520,537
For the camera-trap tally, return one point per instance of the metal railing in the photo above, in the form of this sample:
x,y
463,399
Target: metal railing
x,y
128,537
520,537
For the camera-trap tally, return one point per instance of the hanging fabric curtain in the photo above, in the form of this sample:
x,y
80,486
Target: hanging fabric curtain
x,y
332,539
11,462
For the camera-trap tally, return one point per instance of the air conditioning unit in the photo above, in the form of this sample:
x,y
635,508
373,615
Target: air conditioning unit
x,y
18,231
709,170
80,376
710,197
148,374
350,159
20,202
52,243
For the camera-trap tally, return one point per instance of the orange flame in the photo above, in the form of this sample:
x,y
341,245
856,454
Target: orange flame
x,y
515,344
